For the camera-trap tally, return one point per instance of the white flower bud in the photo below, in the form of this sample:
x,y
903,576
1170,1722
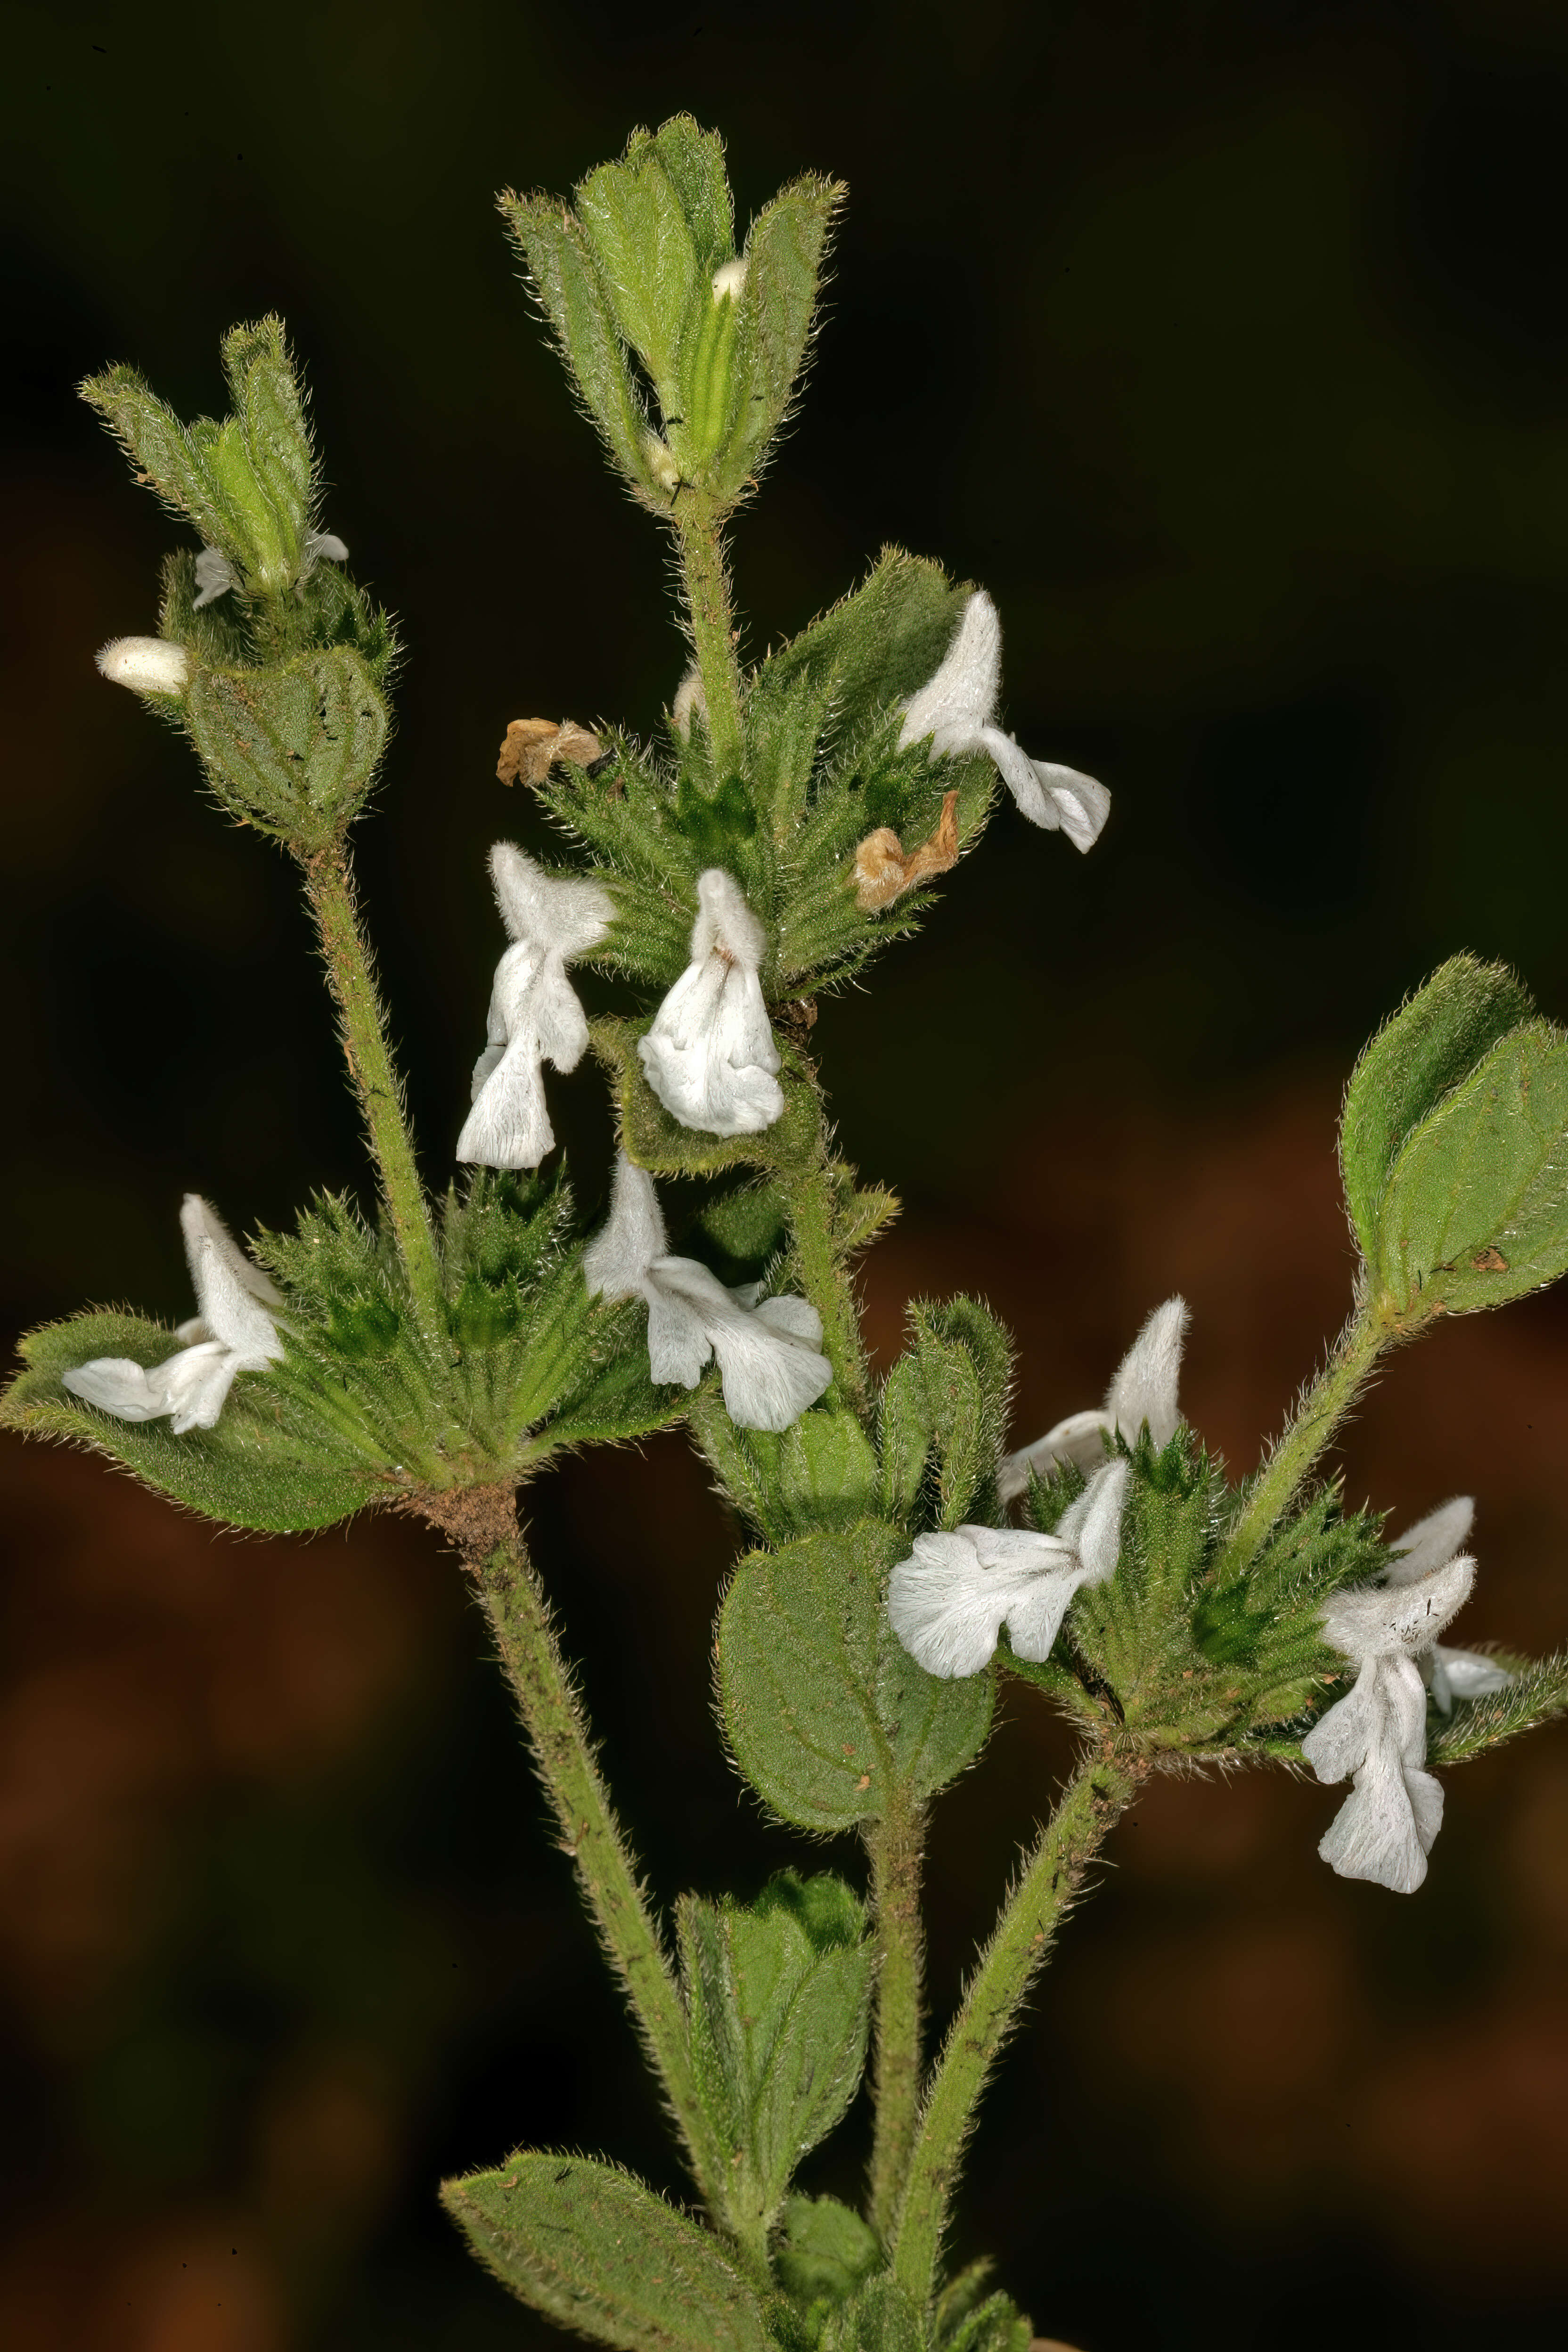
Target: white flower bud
x,y
146,664
729,279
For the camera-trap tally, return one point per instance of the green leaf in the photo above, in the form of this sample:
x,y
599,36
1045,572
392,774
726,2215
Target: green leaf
x,y
158,445
824,2251
266,463
271,1463
827,1713
294,749
784,254
881,642
1538,1693
647,260
779,1999
1428,1046
994,2326
693,161
565,274
947,1397
819,1472
879,2318
660,1144
595,2251
1476,1211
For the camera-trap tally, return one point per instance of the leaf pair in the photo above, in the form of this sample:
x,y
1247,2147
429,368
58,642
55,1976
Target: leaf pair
x,y
1454,1148
634,271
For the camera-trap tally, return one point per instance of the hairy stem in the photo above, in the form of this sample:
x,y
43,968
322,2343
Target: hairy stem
x,y
1304,1438
824,1275
552,1717
1098,1793
712,631
329,887
896,1845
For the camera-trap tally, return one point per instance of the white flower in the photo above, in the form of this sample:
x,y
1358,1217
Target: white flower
x,y
216,575
729,279
949,1601
231,1332
534,1015
324,546
146,664
767,1351
1144,1390
689,698
1431,1543
1376,1734
710,1056
957,708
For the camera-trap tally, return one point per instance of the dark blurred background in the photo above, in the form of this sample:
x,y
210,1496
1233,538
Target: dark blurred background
x,y
1229,346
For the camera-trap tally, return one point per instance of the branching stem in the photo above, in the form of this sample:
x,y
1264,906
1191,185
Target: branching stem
x,y
1098,1793
896,1846
328,887
552,1717
1305,1437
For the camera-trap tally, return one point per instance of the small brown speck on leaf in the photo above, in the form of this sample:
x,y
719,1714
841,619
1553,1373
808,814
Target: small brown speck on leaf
x,y
1490,1261
864,1781
532,746
882,870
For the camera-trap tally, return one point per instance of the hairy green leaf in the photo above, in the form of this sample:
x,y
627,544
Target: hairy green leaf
x,y
1430,1045
826,1712
595,2251
824,2251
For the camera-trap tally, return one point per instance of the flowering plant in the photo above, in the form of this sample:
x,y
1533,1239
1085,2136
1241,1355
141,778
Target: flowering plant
x,y
788,822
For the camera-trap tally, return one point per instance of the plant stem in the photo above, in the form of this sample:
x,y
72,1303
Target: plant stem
x,y
896,1845
823,1273
1098,1793
712,631
328,887
1308,1431
590,1833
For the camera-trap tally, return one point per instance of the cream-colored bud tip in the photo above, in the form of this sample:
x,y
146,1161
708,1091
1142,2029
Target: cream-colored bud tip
x,y
146,664
729,279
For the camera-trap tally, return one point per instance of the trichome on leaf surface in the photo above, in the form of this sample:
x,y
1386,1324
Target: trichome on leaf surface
x,y
785,825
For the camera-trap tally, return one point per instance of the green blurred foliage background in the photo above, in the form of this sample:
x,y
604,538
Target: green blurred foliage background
x,y
1229,346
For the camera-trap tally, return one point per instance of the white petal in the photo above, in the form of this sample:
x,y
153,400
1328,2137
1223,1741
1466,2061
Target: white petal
x,y
945,1608
1081,803
1018,772
1431,1541
196,1384
1092,1525
1463,1673
326,544
725,923
1035,1617
1374,1835
769,1376
491,1059
1081,1439
957,701
200,1222
216,575
678,1347
117,1386
508,1126
729,279
1341,1741
229,1289
797,1316
615,1263
1373,1620
565,913
710,1056
689,698
146,664
1425,1794
1145,1386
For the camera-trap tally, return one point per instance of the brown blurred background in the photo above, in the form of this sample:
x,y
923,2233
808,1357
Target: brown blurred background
x,y
1229,345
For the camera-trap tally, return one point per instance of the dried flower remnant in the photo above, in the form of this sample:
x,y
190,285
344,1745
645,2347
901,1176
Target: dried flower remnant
x,y
231,1332
767,1348
533,747
882,870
